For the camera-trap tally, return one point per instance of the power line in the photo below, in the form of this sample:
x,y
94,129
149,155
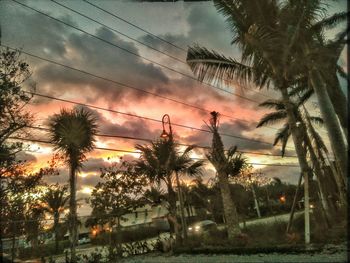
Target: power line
x,y
120,33
136,26
128,114
181,144
138,152
133,53
138,41
142,43
123,84
147,118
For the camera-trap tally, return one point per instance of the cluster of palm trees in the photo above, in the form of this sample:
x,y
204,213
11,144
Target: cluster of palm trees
x,y
161,162
283,45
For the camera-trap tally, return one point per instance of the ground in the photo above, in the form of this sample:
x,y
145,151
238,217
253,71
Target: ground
x,y
330,253
274,257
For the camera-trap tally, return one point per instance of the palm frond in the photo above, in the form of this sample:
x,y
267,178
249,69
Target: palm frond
x,y
305,96
273,104
236,164
330,22
342,72
210,66
272,118
231,151
73,132
282,136
316,138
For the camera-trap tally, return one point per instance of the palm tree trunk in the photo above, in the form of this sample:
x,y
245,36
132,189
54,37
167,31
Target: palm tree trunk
x,y
218,159
182,208
172,211
339,102
55,223
13,251
319,163
294,204
296,131
229,206
256,201
318,171
331,122
119,238
73,213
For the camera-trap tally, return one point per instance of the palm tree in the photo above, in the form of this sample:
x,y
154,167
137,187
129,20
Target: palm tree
x,y
160,162
184,165
154,195
309,132
226,165
275,37
72,132
54,201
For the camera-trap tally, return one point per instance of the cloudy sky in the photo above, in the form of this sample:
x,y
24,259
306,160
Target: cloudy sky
x,y
119,58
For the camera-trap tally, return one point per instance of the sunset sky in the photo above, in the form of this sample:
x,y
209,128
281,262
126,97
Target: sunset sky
x,y
182,24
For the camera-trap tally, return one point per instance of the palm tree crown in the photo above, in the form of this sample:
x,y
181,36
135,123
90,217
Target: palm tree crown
x,y
72,132
55,199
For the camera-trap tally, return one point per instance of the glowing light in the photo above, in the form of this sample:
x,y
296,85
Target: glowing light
x,y
86,190
283,199
83,175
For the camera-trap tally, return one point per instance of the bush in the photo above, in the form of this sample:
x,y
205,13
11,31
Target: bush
x,y
126,235
267,234
319,233
43,250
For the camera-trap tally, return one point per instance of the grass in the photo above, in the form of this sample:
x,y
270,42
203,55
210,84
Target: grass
x,y
266,238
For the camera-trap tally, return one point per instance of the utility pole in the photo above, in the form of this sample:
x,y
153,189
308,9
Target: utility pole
x,y
294,204
256,202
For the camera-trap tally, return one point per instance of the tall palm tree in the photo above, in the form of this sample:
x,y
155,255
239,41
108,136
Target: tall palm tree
x,y
226,165
309,132
73,133
183,164
54,201
160,162
275,38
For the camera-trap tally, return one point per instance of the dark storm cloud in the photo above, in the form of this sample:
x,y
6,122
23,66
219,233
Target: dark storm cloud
x,y
94,165
285,173
206,28
96,57
39,35
134,127
35,31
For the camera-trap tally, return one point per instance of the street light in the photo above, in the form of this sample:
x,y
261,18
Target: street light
x,y
166,135
169,136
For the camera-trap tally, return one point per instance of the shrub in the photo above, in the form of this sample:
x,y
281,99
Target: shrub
x,y
267,234
43,250
126,235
